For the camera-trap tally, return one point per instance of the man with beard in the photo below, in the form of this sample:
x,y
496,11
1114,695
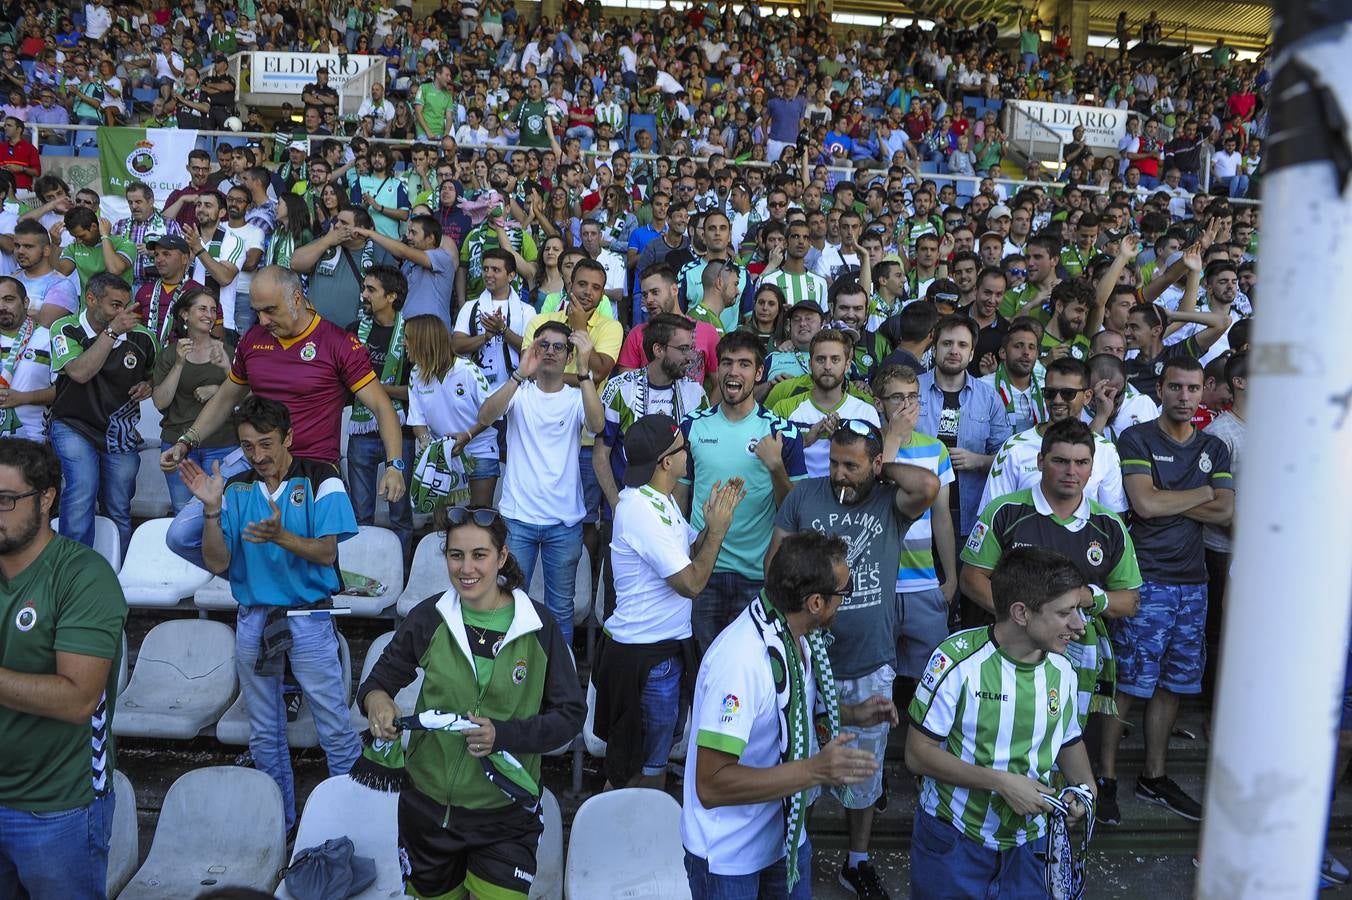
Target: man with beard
x,y
755,761
984,311
962,412
716,229
824,406
964,269
144,223
382,193
102,358
49,292
657,286
1178,480
380,328
1064,334
61,622
181,204
792,277
237,200
217,253
25,366
872,516
738,438
849,313
432,274
155,299
1017,376
661,387
1115,405
1066,390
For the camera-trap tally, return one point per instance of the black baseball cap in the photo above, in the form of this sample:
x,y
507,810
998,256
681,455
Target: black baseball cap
x,y
645,443
168,242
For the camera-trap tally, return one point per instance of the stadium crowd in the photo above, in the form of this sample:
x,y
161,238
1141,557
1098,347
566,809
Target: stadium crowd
x,y
854,426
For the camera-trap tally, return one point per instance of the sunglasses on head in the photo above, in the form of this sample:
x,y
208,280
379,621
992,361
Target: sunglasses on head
x,y
459,515
861,427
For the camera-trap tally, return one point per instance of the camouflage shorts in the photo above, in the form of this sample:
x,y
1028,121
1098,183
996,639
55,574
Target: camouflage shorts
x,y
1164,644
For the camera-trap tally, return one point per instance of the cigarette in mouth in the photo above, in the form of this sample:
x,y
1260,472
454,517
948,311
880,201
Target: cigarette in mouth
x,y
842,496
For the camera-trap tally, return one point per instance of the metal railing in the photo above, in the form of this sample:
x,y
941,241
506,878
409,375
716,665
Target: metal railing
x,y
1038,131
835,174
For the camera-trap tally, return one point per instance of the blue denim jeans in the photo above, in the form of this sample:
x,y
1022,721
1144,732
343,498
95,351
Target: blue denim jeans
x,y
179,495
946,864
56,855
770,883
558,547
94,480
721,601
315,664
365,453
245,316
663,714
184,536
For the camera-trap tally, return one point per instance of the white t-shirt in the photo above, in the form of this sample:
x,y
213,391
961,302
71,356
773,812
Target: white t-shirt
x,y
231,251
542,484
32,372
55,288
165,65
489,357
735,711
805,414
651,541
451,405
252,238
614,265
1015,468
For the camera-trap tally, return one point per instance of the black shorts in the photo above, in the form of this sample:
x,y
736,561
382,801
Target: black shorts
x,y
494,847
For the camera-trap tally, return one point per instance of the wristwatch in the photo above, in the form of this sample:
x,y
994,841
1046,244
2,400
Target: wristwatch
x,y
109,331
586,376
396,464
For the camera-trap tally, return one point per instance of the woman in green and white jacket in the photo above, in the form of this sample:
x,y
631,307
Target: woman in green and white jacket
x,y
490,654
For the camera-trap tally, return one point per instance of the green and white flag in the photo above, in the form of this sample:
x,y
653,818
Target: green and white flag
x,y
155,156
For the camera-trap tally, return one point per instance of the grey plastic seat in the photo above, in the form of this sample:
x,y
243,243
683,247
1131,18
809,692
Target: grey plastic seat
x,y
152,491
406,700
221,825
215,595
152,575
548,883
233,727
106,541
124,846
427,576
339,807
184,679
627,843
376,553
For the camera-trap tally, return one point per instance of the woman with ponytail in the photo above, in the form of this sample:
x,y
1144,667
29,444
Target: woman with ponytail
x,y
503,686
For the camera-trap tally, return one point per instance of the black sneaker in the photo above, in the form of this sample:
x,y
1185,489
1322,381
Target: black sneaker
x,y
863,881
1163,791
1106,811
881,803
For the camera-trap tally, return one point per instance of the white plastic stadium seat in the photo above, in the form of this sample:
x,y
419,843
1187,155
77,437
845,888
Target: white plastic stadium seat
x,y
183,680
376,553
406,699
152,574
215,595
221,825
427,576
548,883
627,843
123,666
106,541
124,846
595,746
233,727
151,499
582,586
339,807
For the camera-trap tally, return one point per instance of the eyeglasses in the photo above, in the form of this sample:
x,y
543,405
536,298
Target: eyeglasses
x,y
455,515
901,399
844,592
681,348
9,501
1017,273
556,346
1062,393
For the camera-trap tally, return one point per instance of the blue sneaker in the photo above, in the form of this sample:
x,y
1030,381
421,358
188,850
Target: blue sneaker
x,y
1333,872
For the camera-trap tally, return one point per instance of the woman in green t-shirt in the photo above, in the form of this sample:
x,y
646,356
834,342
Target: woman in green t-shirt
x,y
187,374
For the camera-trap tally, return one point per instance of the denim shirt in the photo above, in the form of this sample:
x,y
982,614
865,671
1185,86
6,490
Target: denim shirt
x,y
982,427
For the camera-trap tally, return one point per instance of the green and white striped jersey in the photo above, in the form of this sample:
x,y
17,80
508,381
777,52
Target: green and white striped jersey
x,y
991,711
797,288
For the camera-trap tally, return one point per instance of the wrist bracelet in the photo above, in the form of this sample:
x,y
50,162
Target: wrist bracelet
x,y
519,378
211,515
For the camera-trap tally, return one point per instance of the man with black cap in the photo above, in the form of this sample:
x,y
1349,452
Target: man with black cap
x,y
220,89
320,95
646,667
155,299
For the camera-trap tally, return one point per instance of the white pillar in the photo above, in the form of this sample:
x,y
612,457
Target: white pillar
x,y
1286,609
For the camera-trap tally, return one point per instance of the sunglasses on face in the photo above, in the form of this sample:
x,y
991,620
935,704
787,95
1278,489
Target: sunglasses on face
x,y
1018,273
1066,394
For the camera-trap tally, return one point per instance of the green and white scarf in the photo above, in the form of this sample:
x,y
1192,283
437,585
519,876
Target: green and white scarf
x,y
9,418
328,265
1008,392
390,373
162,329
795,719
